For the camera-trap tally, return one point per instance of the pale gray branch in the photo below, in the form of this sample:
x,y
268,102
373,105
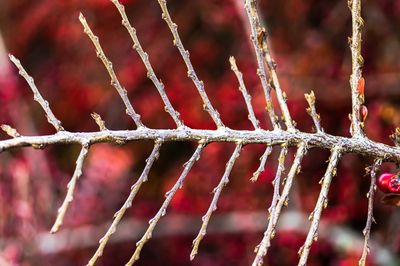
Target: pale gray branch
x,y
261,167
311,110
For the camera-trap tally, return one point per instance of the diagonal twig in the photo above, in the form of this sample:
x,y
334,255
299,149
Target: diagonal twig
x,y
312,111
145,58
169,195
370,217
71,188
128,203
213,206
191,72
37,96
263,161
322,203
262,248
108,65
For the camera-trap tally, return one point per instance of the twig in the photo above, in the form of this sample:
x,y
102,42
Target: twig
x,y
12,132
261,167
213,206
322,203
262,248
261,72
145,58
108,65
357,61
246,95
169,195
100,122
264,51
128,203
71,188
362,146
370,217
191,72
311,110
37,96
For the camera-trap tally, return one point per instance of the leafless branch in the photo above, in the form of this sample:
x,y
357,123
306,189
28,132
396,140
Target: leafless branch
x,y
186,58
311,110
100,122
261,167
37,96
145,58
357,97
128,203
213,206
71,188
108,65
370,217
262,248
322,203
246,95
12,132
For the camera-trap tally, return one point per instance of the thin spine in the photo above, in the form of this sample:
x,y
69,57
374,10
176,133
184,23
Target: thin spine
x,y
283,201
243,90
213,206
191,72
264,51
169,195
71,188
357,98
51,118
261,167
108,65
312,111
150,71
261,72
370,217
128,202
322,203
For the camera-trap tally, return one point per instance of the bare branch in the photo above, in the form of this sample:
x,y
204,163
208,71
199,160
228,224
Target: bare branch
x,y
36,95
145,58
12,132
128,203
322,203
261,167
311,110
370,217
213,206
108,65
261,72
71,188
191,72
169,195
100,122
262,248
357,61
246,95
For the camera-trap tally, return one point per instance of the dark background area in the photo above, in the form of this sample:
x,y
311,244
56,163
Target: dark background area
x,y
310,44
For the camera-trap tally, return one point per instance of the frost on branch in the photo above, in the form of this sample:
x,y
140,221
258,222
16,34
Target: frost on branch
x,y
282,134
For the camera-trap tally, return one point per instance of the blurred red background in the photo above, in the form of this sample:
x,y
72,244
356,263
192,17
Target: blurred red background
x,y
309,40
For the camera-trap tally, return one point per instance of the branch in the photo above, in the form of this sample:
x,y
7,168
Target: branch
x,y
108,65
260,63
213,206
169,195
261,167
283,201
145,58
322,203
311,110
37,96
362,146
370,217
246,95
128,203
186,58
357,96
71,188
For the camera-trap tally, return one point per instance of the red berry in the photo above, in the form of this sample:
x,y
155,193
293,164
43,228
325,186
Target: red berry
x,y
394,185
384,180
